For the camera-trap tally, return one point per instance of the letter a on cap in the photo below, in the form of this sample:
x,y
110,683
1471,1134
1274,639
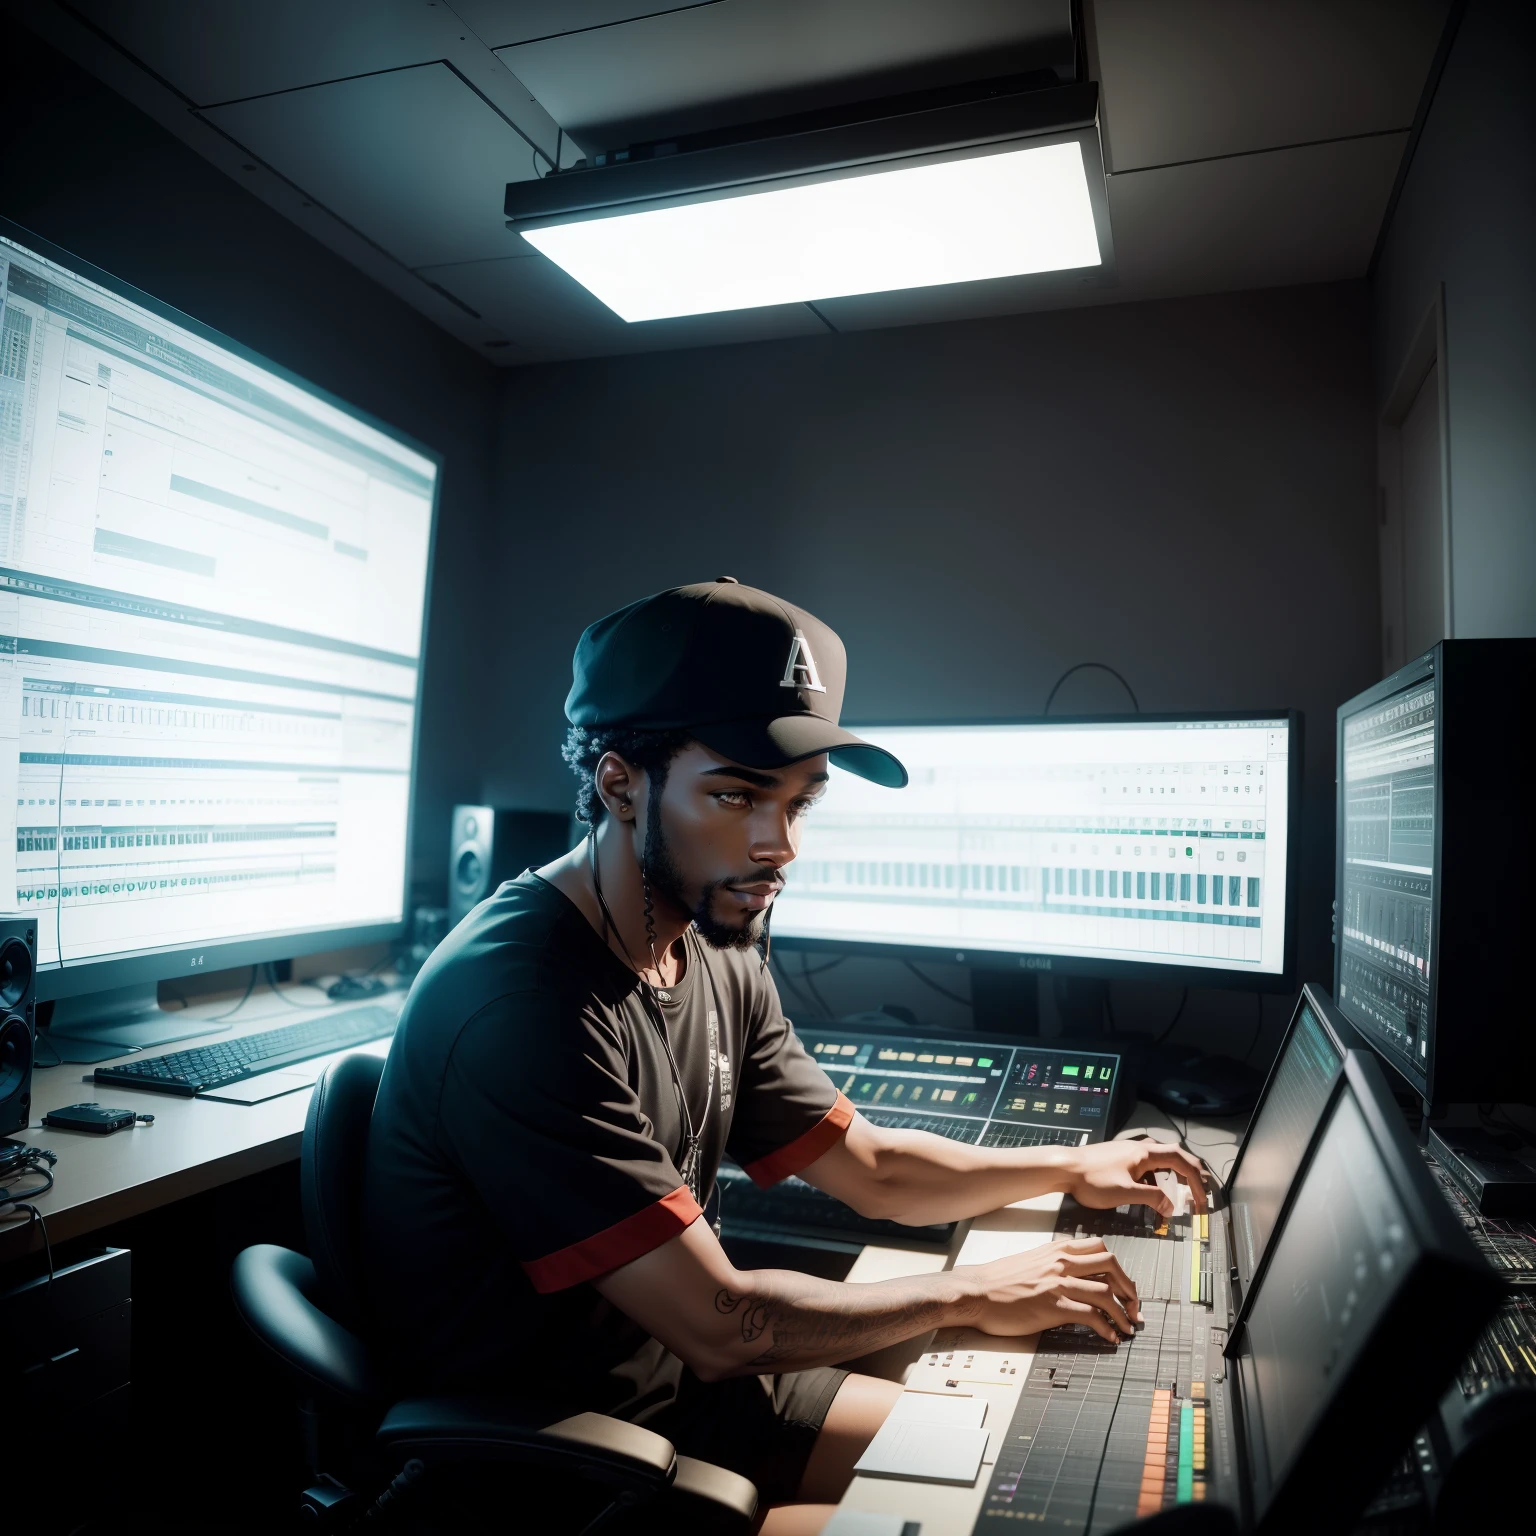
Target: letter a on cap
x,y
800,670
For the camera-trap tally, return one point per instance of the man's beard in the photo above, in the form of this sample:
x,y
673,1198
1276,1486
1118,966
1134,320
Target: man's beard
x,y
664,877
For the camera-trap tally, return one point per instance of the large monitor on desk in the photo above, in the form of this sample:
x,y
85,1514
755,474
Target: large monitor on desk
x,y
1434,899
1138,845
213,582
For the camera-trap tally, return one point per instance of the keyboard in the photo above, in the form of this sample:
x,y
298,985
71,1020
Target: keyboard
x,y
206,1067
797,1211
1000,1133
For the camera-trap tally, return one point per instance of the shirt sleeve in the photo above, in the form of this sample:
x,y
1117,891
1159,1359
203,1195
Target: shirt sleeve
x,y
787,1113
539,1116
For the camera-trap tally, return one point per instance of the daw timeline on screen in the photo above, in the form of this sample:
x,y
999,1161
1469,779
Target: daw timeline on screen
x,y
211,589
1152,842
1388,866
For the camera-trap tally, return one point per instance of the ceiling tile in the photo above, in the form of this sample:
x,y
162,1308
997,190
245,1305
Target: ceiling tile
x,y
413,159
548,316
967,301
1189,79
504,22
712,65
1257,221
256,46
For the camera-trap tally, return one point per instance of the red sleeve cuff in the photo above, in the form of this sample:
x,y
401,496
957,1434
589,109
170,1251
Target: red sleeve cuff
x,y
804,1149
615,1246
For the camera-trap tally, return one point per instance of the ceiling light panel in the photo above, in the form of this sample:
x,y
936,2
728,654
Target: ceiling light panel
x,y
1001,214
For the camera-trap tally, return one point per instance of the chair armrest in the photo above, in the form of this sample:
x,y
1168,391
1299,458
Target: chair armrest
x,y
590,1446
274,1291
706,1498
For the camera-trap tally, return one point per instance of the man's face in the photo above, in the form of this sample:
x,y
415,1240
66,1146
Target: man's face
x,y
717,841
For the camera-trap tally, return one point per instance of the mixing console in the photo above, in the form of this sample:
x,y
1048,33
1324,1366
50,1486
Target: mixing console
x,y
1165,1258
1104,1434
1505,1354
1507,1244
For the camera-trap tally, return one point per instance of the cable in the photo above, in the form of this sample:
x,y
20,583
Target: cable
x,y
807,976
954,997
821,970
790,982
282,997
36,1215
1258,1029
250,987
1084,666
1178,1014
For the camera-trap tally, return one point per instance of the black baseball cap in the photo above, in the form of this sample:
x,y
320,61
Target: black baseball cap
x,y
750,676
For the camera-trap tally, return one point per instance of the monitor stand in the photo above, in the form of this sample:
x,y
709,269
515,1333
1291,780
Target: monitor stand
x,y
100,1025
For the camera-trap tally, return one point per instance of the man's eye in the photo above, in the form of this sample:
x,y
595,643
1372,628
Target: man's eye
x,y
804,807
734,798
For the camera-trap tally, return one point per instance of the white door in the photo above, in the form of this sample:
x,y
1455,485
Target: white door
x,y
1425,617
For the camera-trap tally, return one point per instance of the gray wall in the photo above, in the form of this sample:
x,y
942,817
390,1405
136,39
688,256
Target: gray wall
x,y
88,171
1467,218
1181,489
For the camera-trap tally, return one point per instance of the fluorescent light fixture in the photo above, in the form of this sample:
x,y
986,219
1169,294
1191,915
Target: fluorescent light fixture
x,y
1001,214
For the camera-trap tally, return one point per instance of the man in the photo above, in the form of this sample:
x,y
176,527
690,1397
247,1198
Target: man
x,y
577,1057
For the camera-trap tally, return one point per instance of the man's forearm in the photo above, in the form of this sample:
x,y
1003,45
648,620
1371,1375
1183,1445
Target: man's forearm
x,y
919,1178
790,1322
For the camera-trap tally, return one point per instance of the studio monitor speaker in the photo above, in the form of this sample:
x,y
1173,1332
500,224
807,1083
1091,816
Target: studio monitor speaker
x,y
488,846
18,971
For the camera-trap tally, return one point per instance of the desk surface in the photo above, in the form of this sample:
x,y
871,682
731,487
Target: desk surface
x,y
194,1144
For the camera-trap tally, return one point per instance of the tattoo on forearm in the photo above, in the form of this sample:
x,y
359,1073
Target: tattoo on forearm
x,y
753,1321
826,1329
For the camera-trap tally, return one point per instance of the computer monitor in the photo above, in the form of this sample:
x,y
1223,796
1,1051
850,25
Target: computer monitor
x,y
213,582
1434,903
1284,1122
1116,846
1330,1350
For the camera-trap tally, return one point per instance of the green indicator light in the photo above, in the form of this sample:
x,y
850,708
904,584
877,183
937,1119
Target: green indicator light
x,y
1104,1073
1186,1489
1069,1071
983,1061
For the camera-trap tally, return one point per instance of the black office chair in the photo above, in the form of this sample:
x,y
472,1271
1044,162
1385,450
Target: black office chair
x,y
435,1463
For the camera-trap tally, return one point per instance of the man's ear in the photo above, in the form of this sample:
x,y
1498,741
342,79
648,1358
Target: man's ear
x,y
616,782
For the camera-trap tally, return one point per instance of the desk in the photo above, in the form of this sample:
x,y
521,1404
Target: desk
x,y
194,1144
979,1364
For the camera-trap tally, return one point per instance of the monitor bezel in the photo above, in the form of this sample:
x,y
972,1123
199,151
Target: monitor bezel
x,y
1031,963
1311,995
71,979
1445,1255
1419,670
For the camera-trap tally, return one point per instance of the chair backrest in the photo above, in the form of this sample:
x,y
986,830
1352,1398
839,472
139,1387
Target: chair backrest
x,y
331,1179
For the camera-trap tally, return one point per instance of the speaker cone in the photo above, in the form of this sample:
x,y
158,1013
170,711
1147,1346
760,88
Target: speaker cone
x,y
15,1053
15,972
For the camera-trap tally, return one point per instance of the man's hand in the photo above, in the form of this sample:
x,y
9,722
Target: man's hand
x,y
1075,1281
1120,1173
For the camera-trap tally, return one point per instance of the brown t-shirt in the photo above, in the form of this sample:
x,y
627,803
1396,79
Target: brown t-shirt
x,y
527,1138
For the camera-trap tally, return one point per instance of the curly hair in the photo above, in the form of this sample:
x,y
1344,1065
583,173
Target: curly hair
x,y
650,751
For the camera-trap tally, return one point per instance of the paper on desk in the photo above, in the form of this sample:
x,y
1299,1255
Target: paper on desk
x,y
981,1245
863,1522
939,1408
928,1453
270,1085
